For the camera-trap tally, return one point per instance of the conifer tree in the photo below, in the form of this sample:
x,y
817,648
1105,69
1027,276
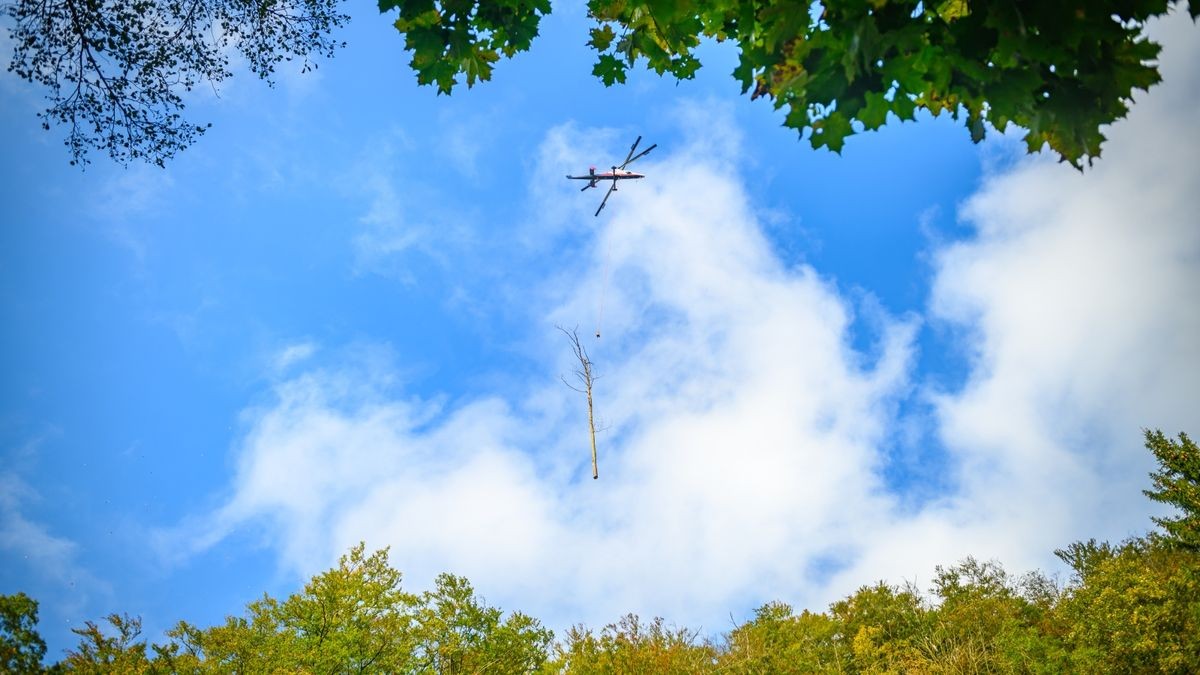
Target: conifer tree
x,y
1177,482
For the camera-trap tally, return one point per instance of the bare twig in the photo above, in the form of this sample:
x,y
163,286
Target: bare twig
x,y
586,379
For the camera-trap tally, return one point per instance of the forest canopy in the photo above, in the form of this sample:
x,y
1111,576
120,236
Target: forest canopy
x,y
1132,606
116,72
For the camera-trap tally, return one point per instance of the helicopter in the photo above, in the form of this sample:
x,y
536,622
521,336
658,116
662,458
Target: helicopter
x,y
618,173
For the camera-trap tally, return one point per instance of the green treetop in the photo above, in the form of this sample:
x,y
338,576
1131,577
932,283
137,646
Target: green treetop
x,y
1177,482
21,647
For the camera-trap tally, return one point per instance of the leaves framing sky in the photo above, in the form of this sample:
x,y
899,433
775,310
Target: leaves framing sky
x,y
333,319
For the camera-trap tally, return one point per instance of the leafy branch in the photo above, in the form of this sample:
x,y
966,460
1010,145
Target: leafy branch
x,y
1061,71
117,71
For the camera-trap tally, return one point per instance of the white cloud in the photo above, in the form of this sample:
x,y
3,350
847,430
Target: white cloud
x,y
1077,296
407,219
293,354
53,555
743,440
462,138
1073,297
744,454
384,230
50,561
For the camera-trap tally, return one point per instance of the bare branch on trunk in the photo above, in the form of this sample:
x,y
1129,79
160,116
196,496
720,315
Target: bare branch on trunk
x,y
586,378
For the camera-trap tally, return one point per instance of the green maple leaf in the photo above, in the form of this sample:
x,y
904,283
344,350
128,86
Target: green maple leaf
x,y
478,65
874,114
609,69
601,38
831,131
685,67
904,107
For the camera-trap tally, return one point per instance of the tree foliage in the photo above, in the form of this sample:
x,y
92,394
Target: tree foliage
x,y
356,618
1136,608
1129,607
778,641
21,647
100,653
117,72
1177,482
457,633
464,37
631,646
1059,70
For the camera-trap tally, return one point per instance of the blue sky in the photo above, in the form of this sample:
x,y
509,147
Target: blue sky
x,y
333,320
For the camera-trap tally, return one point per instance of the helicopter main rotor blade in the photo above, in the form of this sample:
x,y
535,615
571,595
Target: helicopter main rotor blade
x,y
606,196
631,149
639,156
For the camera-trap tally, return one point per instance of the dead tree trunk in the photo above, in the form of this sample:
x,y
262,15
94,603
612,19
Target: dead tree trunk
x,y
586,378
